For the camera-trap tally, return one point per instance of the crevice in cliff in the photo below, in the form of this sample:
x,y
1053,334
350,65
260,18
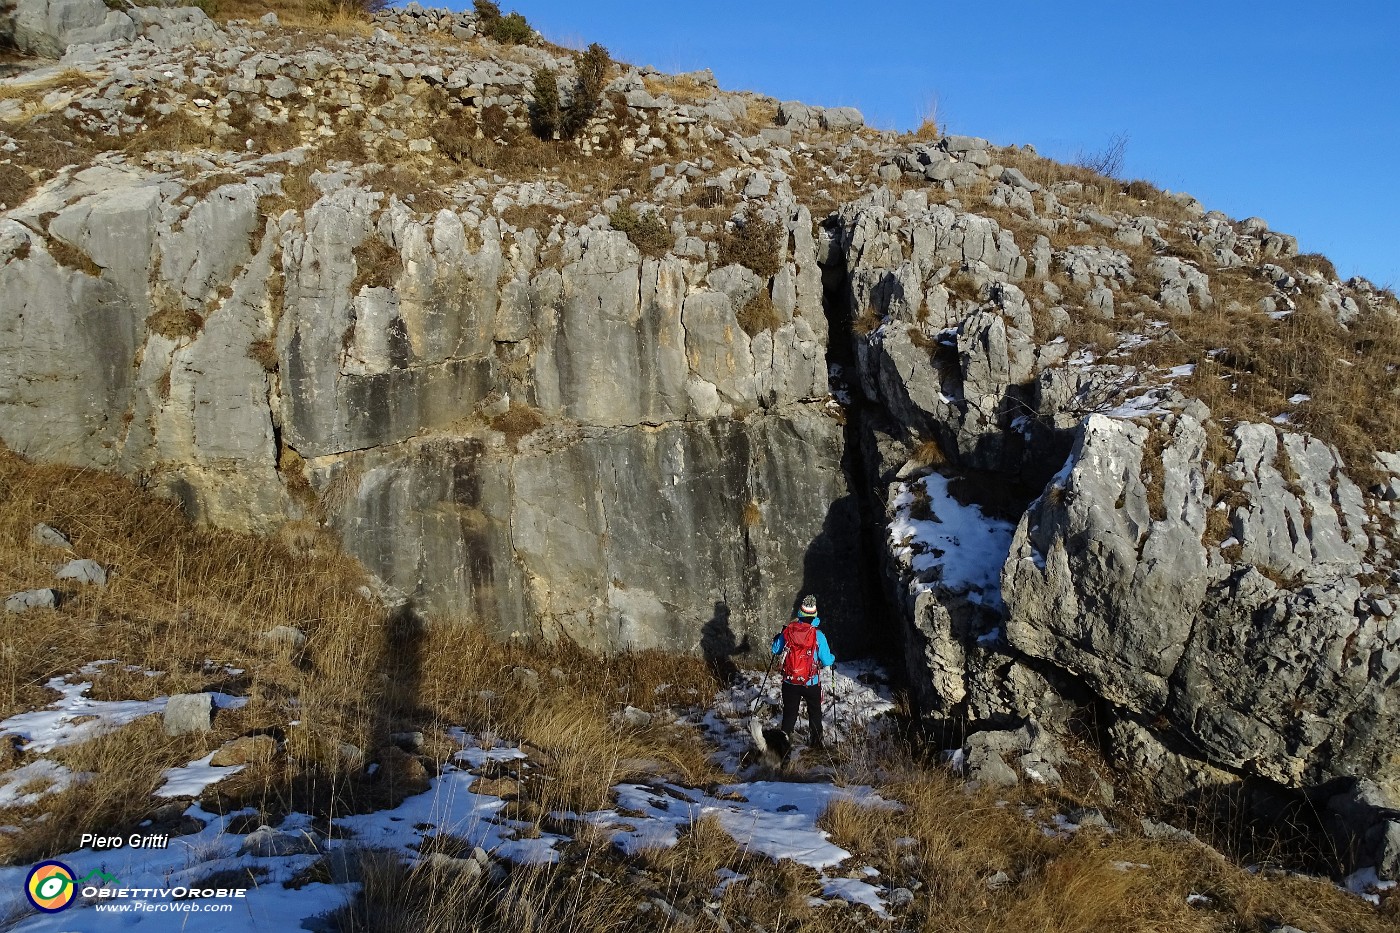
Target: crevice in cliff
x,y
877,633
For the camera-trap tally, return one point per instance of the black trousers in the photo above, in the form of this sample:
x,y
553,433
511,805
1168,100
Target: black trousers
x,y
793,694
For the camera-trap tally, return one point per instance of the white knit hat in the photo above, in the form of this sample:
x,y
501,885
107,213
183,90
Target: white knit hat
x,y
809,606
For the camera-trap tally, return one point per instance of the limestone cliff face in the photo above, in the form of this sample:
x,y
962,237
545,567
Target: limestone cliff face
x,y
1103,445
683,472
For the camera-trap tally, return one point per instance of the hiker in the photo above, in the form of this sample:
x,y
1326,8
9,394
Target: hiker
x,y
807,653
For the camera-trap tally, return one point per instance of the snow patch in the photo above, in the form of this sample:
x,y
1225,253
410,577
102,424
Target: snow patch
x,y
957,547
46,729
42,777
191,780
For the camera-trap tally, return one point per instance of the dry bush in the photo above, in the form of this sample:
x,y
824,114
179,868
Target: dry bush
x,y
517,422
1317,264
264,353
266,136
71,257
338,17
23,88
15,185
1102,192
868,321
930,453
50,143
683,89
413,188
1107,161
759,314
347,145
126,767
174,322
298,191
589,892
455,135
211,183
759,112
756,244
177,132
377,264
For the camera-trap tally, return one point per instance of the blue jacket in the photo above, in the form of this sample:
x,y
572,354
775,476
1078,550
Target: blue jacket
x,y
824,657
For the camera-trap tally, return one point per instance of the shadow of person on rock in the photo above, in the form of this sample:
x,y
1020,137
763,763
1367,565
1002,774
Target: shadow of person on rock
x,y
720,645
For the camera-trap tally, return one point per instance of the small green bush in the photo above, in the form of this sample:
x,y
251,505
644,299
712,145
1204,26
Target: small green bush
x,y
648,232
544,109
757,244
512,29
548,117
592,66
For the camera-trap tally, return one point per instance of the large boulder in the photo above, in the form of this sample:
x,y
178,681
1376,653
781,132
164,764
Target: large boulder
x,y
1111,578
48,27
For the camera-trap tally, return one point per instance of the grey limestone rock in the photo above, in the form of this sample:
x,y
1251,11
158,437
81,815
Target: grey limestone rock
x,y
1109,578
842,119
285,637
526,679
631,717
32,599
48,27
266,842
962,144
1304,517
1090,552
1016,178
797,115
174,27
1181,284
189,712
83,571
48,536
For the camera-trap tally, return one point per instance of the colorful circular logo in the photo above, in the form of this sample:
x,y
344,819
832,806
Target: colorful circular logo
x,y
50,886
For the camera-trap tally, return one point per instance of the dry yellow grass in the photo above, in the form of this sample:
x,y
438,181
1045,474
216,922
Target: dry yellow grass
x,y
319,16
683,89
30,90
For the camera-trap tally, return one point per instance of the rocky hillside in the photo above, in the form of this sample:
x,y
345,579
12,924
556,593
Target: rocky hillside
x,y
638,370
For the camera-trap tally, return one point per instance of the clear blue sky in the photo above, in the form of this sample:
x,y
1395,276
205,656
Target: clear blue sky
x,y
1287,110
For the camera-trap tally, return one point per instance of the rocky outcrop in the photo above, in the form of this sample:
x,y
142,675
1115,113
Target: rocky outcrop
x,y
378,369
51,28
1109,577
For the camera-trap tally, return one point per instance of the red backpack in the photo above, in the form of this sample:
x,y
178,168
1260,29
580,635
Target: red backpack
x,y
800,661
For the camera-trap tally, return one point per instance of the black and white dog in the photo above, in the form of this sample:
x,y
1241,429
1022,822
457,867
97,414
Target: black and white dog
x,y
773,745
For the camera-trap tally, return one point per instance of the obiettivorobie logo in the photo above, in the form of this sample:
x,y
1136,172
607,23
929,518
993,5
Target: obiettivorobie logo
x,y
51,887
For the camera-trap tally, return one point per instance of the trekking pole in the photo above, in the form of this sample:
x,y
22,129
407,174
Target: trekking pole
x,y
763,690
829,699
